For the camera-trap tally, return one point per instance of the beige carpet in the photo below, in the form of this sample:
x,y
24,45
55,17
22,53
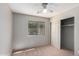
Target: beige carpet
x,y
44,51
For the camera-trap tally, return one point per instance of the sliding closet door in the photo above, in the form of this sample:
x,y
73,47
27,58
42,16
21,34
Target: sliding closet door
x,y
67,34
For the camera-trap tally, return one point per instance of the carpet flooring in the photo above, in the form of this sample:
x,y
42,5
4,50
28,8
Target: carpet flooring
x,y
44,51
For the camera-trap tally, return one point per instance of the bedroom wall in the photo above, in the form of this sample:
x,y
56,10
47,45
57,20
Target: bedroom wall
x,y
21,38
55,28
5,29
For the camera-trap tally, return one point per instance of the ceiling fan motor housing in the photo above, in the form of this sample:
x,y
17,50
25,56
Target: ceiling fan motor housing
x,y
44,5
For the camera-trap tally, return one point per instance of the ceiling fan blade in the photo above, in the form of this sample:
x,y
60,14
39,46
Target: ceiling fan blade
x,y
38,12
51,10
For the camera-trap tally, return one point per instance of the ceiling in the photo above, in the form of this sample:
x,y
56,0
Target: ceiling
x,y
32,8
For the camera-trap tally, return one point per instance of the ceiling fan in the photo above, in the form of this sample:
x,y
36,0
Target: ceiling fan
x,y
44,9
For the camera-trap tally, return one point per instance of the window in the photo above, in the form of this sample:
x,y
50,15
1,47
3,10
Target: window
x,y
36,28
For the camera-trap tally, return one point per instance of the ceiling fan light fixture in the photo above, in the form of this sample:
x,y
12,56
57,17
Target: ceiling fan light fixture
x,y
44,11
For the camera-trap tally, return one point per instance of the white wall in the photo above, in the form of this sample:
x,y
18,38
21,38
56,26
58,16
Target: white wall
x,y
55,28
21,39
5,29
